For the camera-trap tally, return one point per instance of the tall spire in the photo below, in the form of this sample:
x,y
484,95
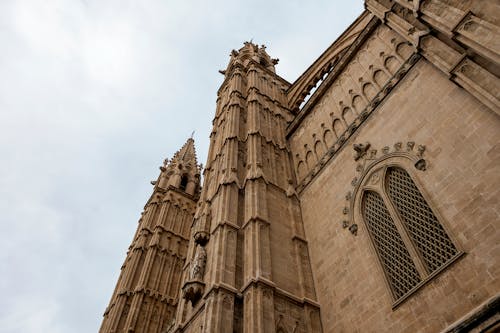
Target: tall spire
x,y
146,296
187,154
182,172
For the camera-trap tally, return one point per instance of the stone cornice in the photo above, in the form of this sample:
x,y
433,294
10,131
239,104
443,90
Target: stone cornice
x,y
442,39
262,282
160,248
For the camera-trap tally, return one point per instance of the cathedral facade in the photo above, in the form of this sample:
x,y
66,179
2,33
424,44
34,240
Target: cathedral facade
x,y
363,197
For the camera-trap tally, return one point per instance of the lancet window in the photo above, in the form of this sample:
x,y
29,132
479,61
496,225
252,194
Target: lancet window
x,y
411,244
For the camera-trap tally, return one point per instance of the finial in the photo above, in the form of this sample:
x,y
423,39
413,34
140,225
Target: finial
x,y
192,134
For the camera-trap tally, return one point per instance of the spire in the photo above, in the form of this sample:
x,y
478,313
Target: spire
x,y
186,156
182,172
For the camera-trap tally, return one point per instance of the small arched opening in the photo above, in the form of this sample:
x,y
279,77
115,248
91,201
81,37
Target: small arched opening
x,y
184,181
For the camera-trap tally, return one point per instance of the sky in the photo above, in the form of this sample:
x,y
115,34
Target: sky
x,y
94,94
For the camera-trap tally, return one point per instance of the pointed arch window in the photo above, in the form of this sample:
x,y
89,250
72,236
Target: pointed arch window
x,y
411,244
183,183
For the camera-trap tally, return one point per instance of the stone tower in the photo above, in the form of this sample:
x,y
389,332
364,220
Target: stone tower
x,y
147,292
248,267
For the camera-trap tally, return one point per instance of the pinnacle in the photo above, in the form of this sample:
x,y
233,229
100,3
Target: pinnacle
x,y
187,154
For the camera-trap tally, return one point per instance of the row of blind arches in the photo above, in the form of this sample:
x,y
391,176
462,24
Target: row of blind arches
x,y
410,242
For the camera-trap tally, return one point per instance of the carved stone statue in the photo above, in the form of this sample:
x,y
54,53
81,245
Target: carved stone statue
x,y
198,264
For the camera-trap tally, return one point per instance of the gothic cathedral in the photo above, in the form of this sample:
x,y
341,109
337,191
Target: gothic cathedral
x,y
363,197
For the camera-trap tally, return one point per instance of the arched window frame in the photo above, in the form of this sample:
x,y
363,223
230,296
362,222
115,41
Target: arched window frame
x,y
184,182
374,179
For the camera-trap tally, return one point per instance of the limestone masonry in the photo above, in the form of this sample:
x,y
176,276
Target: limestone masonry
x,y
363,197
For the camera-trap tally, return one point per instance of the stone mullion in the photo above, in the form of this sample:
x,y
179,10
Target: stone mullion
x,y
135,255
231,161
264,248
211,157
180,220
160,272
250,261
273,166
161,214
149,261
162,314
171,221
253,78
115,315
146,217
281,135
170,258
254,156
236,83
257,239
133,314
166,212
229,264
170,276
148,311
216,314
216,265
189,224
137,300
152,219
409,245
177,276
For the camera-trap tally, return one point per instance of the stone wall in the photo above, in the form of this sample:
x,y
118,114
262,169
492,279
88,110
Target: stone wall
x,y
461,137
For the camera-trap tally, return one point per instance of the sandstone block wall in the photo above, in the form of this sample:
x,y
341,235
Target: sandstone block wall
x,y
462,140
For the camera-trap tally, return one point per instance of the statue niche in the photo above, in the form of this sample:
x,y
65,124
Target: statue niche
x,y
194,287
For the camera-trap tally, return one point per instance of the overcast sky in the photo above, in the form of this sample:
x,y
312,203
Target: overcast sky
x,y
94,94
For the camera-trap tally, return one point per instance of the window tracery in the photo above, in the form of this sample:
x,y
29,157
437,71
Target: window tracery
x,y
407,236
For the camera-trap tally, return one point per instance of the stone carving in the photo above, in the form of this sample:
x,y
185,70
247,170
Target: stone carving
x,y
365,164
198,264
421,165
374,178
354,229
193,288
360,150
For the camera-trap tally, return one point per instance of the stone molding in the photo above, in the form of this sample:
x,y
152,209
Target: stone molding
x,y
367,162
485,317
360,119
